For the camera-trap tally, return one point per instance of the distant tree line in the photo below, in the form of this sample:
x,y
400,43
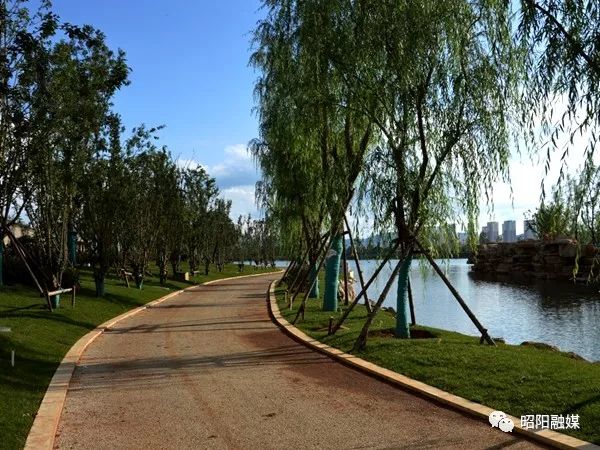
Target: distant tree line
x,y
257,243
71,174
573,209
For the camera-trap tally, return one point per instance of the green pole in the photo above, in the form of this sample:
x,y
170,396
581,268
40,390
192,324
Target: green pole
x,y
72,246
314,292
332,273
402,327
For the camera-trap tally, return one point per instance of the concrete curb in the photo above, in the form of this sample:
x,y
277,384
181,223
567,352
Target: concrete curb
x,y
546,437
43,431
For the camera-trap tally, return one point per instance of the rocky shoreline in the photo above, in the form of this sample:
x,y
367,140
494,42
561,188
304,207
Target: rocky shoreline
x,y
559,259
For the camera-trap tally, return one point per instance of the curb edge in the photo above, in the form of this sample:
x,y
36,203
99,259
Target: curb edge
x,y
546,437
42,433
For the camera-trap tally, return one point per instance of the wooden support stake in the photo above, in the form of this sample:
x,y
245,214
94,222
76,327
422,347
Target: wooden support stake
x,y
23,257
73,297
364,290
288,269
325,243
411,304
125,276
457,296
301,279
345,262
319,267
342,213
298,277
354,254
362,337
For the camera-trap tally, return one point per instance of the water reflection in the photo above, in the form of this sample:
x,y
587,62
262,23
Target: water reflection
x,y
556,313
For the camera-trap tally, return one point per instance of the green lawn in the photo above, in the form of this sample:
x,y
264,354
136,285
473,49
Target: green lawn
x,y
41,338
514,379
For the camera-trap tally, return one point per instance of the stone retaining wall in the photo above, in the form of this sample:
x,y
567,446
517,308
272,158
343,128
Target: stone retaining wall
x,y
539,259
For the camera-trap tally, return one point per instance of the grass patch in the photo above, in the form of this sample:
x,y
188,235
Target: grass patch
x,y
515,379
41,339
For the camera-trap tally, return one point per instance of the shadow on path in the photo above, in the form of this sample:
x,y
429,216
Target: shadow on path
x,y
132,373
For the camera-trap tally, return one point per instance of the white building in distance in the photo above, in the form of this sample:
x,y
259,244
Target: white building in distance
x,y
509,231
492,231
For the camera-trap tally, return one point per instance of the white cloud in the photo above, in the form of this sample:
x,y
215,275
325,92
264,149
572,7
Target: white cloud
x,y
183,163
236,169
238,151
236,177
242,200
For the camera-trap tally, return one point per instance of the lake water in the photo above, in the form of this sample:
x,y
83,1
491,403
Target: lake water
x,y
557,313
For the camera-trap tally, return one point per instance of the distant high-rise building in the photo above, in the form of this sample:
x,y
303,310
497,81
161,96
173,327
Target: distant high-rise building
x,y
462,237
528,232
492,231
509,231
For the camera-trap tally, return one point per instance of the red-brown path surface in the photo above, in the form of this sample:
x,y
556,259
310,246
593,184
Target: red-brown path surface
x,y
208,369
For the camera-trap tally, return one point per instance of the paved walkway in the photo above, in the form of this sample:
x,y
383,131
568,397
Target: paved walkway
x,y
208,369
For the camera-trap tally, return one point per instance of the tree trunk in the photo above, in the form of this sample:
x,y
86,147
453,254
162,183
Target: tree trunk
x,y
193,261
402,326
175,266
139,280
361,341
138,276
162,269
332,274
99,281
72,246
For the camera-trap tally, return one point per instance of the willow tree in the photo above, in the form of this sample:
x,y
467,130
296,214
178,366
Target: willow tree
x,y
287,150
585,195
291,195
440,76
560,94
306,49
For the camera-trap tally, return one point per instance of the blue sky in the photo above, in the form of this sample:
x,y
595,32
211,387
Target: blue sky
x,y
189,61
190,72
